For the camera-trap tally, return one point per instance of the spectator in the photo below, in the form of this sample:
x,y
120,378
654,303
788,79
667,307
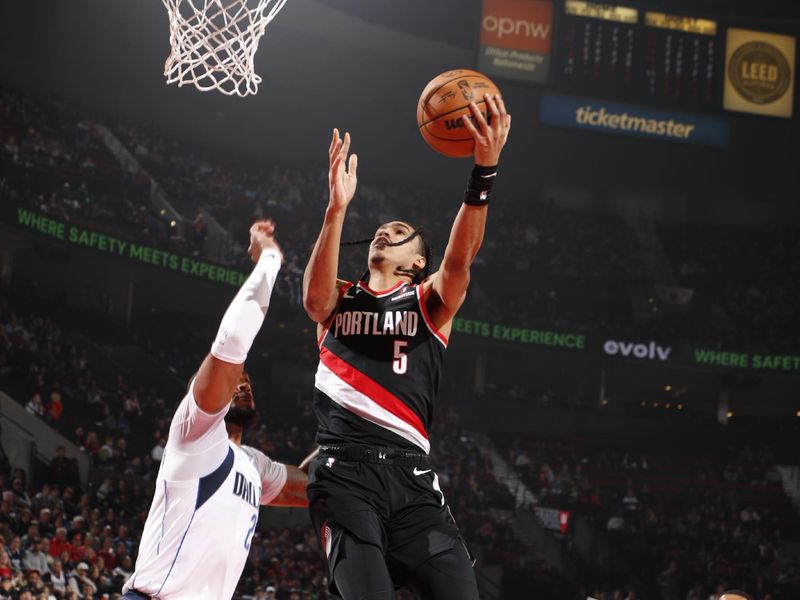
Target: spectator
x,y
80,582
60,544
35,406
35,558
55,409
57,578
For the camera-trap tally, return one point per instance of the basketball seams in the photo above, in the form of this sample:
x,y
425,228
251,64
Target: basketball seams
x,y
429,96
444,139
434,126
470,72
450,112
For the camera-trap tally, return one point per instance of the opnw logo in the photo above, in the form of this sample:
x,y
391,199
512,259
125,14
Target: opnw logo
x,y
648,350
506,26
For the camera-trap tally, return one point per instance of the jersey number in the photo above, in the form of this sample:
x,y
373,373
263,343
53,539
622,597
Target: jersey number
x,y
400,363
250,531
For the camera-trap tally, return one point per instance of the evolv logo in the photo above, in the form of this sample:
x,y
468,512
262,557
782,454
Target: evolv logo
x,y
650,350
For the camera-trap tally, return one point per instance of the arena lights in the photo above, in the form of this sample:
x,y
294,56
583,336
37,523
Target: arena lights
x,y
730,414
797,414
667,388
680,406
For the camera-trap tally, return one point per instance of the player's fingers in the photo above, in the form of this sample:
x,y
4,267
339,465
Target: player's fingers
x,y
333,141
493,109
501,105
353,166
471,127
336,164
479,122
337,146
497,119
346,145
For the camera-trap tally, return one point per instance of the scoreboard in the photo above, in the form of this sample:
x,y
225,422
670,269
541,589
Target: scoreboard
x,y
639,55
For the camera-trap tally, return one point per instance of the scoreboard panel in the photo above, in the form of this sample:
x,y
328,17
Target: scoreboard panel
x,y
638,55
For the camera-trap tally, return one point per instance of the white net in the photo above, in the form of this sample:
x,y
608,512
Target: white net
x,y
214,43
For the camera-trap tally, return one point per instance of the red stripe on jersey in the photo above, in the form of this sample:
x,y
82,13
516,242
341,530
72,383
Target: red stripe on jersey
x,y
424,310
372,389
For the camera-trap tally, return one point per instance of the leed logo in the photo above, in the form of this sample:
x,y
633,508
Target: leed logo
x,y
759,72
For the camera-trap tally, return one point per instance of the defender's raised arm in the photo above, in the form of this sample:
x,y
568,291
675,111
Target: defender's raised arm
x,y
219,374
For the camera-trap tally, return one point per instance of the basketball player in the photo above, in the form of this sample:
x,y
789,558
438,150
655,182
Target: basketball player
x,y
208,490
373,495
281,485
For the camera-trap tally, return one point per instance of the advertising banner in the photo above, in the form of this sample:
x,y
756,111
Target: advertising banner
x,y
644,350
759,73
97,241
785,363
632,120
522,335
515,40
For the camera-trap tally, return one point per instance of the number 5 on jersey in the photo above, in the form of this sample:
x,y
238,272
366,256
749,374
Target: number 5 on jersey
x,y
400,363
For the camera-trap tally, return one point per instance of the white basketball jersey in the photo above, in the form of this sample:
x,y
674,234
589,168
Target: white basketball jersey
x,y
204,512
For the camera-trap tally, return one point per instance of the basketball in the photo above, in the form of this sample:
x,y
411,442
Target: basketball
x,y
443,105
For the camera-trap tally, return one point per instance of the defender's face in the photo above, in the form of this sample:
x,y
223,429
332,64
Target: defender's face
x,y
401,256
243,396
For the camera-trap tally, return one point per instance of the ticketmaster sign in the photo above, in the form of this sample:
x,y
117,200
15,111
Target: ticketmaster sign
x,y
637,121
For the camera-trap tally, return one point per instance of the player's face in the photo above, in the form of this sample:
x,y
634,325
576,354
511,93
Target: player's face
x,y
243,396
404,255
242,412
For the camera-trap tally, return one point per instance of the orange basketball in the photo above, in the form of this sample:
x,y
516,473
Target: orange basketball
x,y
442,108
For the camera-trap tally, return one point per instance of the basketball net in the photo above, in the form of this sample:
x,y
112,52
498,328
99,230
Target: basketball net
x,y
214,43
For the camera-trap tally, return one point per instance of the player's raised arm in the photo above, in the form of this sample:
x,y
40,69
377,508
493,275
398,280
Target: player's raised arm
x,y
220,372
449,284
319,281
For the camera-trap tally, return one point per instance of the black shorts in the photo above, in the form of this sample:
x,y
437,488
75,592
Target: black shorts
x,y
397,507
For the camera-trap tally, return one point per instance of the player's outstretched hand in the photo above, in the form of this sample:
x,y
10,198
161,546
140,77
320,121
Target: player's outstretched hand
x,y
262,237
489,137
342,174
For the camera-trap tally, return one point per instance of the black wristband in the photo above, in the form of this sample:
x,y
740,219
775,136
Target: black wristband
x,y
479,186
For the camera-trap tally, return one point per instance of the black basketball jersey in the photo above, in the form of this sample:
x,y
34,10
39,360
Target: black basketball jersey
x,y
379,369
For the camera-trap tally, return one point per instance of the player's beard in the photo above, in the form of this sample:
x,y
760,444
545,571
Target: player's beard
x,y
242,416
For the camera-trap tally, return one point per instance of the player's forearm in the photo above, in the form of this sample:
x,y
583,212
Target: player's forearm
x,y
217,376
245,314
466,238
293,493
319,279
